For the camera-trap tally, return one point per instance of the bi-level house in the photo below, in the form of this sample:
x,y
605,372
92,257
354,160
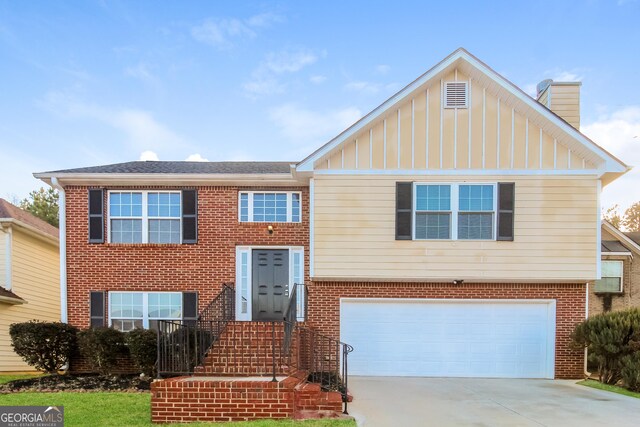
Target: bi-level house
x,y
452,231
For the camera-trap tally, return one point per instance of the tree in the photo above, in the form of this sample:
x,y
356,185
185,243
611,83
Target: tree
x,y
612,215
43,204
631,219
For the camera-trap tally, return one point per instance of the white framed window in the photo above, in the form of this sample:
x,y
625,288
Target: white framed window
x,y
612,275
130,310
145,217
271,206
454,211
244,278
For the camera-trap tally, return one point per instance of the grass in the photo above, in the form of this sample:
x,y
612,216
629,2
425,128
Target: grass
x,y
7,378
611,388
129,409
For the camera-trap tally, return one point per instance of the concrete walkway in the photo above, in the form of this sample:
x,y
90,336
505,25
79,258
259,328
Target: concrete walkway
x,y
406,402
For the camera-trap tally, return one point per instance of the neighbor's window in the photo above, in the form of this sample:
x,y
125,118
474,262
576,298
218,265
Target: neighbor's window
x,y
145,217
611,280
455,211
270,207
130,310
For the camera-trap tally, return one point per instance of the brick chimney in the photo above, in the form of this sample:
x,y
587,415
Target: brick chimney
x,y
563,98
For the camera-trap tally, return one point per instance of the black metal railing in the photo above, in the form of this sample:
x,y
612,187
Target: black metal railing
x,y
183,345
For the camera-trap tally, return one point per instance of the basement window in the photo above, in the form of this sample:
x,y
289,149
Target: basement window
x,y
456,95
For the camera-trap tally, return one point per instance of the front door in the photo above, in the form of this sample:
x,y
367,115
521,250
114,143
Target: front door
x,y
270,271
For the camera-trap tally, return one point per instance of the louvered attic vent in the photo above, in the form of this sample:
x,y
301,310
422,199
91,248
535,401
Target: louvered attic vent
x,y
455,95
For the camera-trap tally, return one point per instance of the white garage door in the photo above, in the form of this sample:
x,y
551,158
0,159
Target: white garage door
x,y
449,338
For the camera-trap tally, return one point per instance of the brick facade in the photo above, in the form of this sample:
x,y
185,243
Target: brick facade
x,y
630,295
202,267
324,307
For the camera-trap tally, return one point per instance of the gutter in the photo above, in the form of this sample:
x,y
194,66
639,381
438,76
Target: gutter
x,y
62,216
14,301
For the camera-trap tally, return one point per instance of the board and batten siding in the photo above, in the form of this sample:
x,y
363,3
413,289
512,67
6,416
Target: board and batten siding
x,y
420,134
35,278
555,236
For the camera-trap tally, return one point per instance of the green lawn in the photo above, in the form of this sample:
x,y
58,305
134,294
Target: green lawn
x,y
128,409
6,378
611,388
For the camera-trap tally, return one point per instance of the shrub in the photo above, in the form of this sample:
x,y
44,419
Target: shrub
x,y
46,346
142,344
101,347
609,337
631,371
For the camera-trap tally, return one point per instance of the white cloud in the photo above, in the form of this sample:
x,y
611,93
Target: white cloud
x,y
195,158
221,33
566,76
619,133
370,88
148,155
141,129
307,128
557,75
142,72
317,79
383,69
265,78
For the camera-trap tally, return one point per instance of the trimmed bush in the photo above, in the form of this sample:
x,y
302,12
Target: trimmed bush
x,y
631,371
101,347
142,344
608,338
46,346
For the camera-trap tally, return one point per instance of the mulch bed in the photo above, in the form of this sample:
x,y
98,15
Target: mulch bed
x,y
80,383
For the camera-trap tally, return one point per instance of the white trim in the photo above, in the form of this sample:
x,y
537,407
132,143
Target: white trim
x,y
8,242
145,306
498,138
454,209
472,172
62,226
526,144
413,131
441,117
513,134
371,148
455,134
399,148
145,218
469,144
426,126
250,195
384,144
249,249
599,230
541,144
551,315
484,125
356,144
569,159
342,158
616,254
311,225
555,153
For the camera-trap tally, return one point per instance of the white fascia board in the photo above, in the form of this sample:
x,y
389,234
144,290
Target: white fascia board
x,y
612,164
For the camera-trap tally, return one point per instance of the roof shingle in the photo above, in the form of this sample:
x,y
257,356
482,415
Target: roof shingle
x,y
9,211
175,167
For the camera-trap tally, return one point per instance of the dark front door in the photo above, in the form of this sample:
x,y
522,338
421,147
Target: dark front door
x,y
270,285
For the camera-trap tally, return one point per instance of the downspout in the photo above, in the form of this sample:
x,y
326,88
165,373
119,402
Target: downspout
x,y
587,374
62,216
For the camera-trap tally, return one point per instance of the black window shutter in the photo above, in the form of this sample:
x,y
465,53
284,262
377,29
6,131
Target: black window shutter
x,y
506,205
404,202
97,309
189,307
96,216
189,216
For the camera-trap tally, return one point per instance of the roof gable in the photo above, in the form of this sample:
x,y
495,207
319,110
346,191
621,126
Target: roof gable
x,y
520,108
10,212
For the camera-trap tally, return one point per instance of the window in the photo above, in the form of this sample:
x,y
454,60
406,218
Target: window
x,y
455,211
270,207
145,217
130,310
611,277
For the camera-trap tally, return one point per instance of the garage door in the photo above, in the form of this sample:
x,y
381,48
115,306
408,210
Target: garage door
x,y
449,338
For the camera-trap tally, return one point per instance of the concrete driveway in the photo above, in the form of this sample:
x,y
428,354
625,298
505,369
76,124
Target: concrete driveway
x,y
395,401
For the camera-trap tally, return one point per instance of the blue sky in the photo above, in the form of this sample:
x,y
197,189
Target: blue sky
x,y
95,82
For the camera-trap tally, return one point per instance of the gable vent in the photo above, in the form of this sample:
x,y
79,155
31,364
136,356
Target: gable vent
x,y
455,95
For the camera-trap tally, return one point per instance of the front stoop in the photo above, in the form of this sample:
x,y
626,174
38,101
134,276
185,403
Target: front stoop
x,y
188,399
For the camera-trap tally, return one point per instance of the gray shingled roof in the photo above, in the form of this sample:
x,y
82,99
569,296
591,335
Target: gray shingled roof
x,y
612,246
171,167
634,235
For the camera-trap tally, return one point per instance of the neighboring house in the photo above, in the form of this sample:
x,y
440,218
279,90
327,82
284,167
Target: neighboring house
x,y
619,287
451,231
29,276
